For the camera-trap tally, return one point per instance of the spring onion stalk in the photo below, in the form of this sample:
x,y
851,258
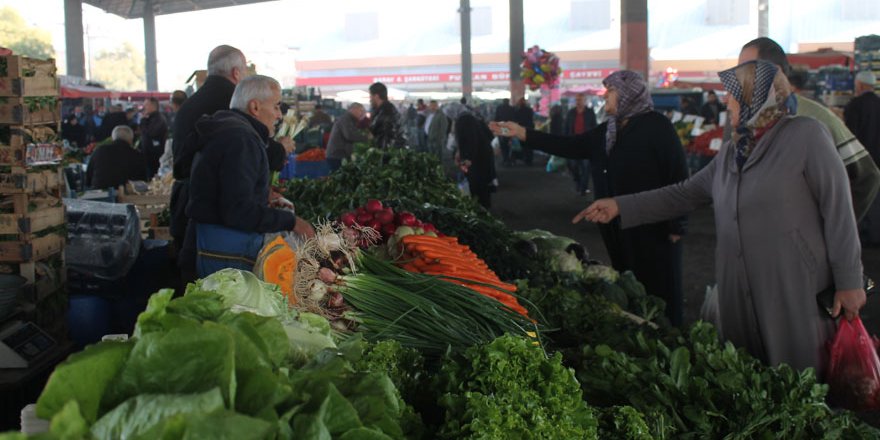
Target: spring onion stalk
x,y
424,312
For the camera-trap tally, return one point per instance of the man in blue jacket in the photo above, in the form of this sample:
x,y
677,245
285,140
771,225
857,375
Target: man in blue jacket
x,y
228,203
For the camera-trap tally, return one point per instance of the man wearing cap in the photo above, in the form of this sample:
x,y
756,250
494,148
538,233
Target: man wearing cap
x,y
862,115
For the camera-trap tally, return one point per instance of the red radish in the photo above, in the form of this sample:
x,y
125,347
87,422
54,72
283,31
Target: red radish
x,y
348,219
365,218
429,228
388,229
389,210
360,210
373,206
384,217
408,219
375,225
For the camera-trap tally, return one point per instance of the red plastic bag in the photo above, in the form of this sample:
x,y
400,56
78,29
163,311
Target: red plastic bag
x,y
854,372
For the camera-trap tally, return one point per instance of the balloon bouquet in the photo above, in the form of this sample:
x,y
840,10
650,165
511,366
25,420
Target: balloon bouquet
x,y
541,70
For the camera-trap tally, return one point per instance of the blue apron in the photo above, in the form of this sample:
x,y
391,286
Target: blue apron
x,y
219,247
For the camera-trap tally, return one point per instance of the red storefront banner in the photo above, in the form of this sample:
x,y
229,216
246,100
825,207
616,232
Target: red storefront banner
x,y
425,78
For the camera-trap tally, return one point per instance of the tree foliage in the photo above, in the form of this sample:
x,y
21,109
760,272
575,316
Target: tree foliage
x,y
121,68
22,38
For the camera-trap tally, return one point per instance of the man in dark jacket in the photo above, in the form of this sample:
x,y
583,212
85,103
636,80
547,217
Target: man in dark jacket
x,y
712,108
229,186
580,119
226,67
114,118
862,115
386,119
344,135
113,164
505,112
153,130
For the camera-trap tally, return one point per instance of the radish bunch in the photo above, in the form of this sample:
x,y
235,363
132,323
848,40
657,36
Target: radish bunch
x,y
383,219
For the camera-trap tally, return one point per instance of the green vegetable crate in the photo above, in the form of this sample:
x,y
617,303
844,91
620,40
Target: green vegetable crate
x,y
29,110
23,76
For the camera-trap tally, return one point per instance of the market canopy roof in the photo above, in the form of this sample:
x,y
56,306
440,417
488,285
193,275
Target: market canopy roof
x,y
135,8
81,91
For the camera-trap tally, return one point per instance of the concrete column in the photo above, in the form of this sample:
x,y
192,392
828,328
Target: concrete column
x,y
634,36
150,46
763,18
73,38
517,47
467,74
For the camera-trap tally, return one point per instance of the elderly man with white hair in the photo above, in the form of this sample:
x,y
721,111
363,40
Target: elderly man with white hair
x,y
113,164
862,116
228,203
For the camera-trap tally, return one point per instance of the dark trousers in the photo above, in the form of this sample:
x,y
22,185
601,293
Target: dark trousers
x,y
504,142
334,164
655,261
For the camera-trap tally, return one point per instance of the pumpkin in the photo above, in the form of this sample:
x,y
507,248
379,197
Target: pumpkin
x,y
276,264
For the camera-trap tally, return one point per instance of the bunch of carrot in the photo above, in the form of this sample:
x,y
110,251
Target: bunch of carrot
x,y
445,257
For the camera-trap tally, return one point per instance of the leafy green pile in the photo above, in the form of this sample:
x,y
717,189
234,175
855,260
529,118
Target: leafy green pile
x,y
200,364
700,388
509,389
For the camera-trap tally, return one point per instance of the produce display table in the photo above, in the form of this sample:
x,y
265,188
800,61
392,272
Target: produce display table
x,y
19,387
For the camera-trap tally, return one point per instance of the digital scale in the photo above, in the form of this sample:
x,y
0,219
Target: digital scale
x,y
21,343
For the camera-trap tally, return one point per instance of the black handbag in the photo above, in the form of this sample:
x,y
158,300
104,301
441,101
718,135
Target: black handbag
x,y
825,298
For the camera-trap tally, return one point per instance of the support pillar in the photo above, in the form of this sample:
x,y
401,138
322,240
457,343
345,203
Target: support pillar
x,y
150,46
634,36
467,74
763,18
517,47
73,38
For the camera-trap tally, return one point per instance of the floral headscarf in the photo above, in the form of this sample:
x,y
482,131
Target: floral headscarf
x,y
764,97
632,99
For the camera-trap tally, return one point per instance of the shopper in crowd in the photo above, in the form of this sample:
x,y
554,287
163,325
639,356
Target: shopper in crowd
x,y
636,149
113,164
229,185
153,130
864,177
344,135
436,127
711,109
784,219
320,118
226,67
505,112
73,132
580,119
178,97
115,117
525,117
862,116
385,124
686,106
475,157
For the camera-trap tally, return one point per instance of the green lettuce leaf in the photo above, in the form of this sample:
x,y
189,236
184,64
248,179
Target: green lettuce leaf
x,y
84,378
139,414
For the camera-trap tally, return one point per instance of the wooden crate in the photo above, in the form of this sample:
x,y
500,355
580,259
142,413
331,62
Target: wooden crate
x,y
32,222
160,233
24,181
17,111
23,251
48,86
31,145
17,66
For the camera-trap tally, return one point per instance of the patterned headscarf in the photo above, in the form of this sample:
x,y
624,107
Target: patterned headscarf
x,y
632,99
770,99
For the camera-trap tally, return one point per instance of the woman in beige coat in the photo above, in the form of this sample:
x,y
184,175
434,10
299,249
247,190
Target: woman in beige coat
x,y
784,222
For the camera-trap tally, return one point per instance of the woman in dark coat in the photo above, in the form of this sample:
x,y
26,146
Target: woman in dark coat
x,y
475,155
636,149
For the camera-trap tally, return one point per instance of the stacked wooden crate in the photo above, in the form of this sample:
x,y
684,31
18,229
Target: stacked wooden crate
x,y
32,220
